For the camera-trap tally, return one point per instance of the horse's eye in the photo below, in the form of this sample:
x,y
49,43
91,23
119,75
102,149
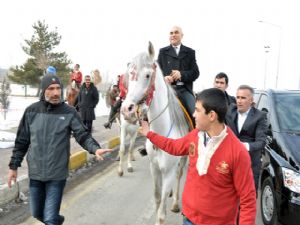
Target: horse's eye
x,y
147,76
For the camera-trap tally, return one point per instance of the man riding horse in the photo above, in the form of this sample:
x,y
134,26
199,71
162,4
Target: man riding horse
x,y
74,85
115,107
76,75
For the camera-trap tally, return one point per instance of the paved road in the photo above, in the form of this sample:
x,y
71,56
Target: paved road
x,y
106,199
98,196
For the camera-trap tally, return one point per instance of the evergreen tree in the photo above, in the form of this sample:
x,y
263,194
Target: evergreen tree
x,y
4,93
40,49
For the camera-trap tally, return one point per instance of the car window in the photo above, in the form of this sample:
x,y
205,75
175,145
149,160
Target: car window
x,y
287,107
256,98
263,105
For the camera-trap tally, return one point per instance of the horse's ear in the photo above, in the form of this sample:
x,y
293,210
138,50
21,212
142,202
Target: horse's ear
x,y
151,50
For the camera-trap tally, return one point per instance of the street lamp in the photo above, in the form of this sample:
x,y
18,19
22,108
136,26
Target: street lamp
x,y
279,47
267,49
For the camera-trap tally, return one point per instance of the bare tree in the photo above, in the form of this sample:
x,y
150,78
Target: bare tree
x,y
4,93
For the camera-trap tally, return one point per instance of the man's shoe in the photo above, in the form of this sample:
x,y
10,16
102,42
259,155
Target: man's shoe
x,y
61,219
143,151
107,125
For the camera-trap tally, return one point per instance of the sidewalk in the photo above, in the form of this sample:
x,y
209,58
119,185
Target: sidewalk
x,y
108,138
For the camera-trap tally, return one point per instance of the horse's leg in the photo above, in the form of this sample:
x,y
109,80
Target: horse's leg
x,y
175,205
122,149
168,182
132,142
157,185
130,151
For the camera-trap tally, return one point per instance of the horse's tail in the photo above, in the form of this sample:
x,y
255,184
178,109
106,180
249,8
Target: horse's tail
x,y
108,99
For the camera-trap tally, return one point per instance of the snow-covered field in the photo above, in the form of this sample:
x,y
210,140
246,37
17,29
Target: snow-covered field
x,y
16,109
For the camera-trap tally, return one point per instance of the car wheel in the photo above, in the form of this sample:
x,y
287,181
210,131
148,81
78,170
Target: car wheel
x,y
268,203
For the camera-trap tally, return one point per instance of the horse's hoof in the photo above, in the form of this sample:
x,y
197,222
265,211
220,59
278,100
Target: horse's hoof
x,y
130,169
132,159
120,173
161,221
175,208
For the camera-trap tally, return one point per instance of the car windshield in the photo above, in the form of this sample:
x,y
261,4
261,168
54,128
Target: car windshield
x,y
287,108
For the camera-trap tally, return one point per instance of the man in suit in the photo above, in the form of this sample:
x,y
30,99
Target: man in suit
x,y
179,67
221,82
249,125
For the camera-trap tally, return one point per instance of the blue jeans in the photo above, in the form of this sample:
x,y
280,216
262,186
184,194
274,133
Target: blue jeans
x,y
186,221
45,200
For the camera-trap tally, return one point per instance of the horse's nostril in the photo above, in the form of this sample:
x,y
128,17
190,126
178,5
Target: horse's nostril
x,y
130,107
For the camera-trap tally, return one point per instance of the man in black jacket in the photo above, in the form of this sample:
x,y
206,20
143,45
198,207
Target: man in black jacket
x,y
44,133
249,125
179,67
87,100
221,82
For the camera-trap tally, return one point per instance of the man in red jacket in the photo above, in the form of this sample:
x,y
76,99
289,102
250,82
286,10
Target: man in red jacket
x,y
219,179
76,75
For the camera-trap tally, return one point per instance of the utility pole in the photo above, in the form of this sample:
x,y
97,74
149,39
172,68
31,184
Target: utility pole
x,y
267,49
279,47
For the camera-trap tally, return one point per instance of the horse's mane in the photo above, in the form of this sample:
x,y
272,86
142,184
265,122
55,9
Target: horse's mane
x,y
176,114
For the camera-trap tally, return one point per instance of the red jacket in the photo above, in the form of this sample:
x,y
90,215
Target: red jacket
x,y
214,198
77,76
122,88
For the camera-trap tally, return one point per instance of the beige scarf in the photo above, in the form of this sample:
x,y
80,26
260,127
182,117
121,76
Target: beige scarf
x,y
206,152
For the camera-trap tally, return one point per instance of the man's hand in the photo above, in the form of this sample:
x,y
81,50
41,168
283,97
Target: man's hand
x,y
144,128
176,75
99,152
169,79
12,176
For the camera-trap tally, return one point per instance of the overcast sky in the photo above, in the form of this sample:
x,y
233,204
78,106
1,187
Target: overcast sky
x,y
226,35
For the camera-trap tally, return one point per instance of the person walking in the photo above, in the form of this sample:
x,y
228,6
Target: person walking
x,y
44,135
87,100
219,177
180,69
250,125
117,94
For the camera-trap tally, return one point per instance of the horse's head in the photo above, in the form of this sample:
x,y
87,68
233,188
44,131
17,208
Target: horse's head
x,y
139,80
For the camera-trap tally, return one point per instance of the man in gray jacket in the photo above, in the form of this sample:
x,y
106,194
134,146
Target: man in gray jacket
x,y
44,133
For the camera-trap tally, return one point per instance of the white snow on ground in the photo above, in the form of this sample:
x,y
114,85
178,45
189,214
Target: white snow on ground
x,y
7,139
15,112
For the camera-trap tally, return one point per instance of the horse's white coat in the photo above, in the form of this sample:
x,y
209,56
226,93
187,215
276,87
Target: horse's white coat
x,y
166,170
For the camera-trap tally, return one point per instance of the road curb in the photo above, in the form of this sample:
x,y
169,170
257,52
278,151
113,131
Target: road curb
x,y
113,142
77,160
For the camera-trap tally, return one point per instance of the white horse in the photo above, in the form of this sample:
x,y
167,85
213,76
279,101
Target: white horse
x,y
129,125
166,118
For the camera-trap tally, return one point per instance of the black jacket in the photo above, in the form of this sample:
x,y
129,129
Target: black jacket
x,y
253,131
44,132
229,99
185,62
87,100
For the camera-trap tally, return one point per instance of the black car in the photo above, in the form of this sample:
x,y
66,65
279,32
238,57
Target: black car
x,y
280,175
